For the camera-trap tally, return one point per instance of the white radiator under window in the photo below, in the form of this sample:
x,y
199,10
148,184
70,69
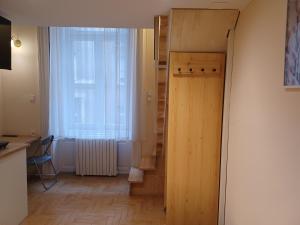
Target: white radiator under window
x,y
96,157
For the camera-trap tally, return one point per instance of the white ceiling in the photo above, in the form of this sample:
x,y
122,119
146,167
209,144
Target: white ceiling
x,y
101,13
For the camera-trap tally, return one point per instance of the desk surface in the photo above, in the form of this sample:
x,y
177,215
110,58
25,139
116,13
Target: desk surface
x,y
12,148
18,143
20,139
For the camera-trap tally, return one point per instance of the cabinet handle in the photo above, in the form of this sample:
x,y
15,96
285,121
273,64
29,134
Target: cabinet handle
x,y
202,69
179,69
214,70
191,69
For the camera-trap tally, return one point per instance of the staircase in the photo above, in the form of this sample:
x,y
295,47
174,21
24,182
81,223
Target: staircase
x,y
149,177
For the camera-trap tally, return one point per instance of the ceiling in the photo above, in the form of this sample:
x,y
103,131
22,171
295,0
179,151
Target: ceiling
x,y
101,13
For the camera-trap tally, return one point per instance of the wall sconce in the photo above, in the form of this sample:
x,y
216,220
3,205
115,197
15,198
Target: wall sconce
x,y
16,41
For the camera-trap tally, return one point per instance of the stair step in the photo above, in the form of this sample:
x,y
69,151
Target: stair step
x,y
148,163
160,143
159,148
136,175
160,117
162,82
162,64
160,131
162,67
154,152
160,140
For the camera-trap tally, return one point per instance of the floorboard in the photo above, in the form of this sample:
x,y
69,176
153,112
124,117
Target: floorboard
x,y
91,201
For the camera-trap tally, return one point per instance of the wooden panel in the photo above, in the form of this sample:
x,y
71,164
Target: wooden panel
x,y
163,35
201,30
197,69
160,39
194,141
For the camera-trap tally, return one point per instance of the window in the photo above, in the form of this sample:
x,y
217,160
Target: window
x,y
92,78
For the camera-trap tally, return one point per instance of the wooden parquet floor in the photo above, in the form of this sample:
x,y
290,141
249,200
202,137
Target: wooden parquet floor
x,y
91,201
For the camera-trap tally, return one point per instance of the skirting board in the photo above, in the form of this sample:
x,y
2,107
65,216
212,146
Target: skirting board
x,y
71,169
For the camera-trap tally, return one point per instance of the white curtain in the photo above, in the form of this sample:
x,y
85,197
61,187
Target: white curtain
x,y
44,70
44,75
92,82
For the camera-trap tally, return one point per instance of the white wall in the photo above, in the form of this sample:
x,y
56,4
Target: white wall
x,y
263,186
20,85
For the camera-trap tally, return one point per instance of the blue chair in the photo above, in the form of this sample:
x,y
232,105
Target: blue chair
x,y
43,158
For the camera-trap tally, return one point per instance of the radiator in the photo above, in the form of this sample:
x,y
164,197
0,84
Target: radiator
x,y
96,157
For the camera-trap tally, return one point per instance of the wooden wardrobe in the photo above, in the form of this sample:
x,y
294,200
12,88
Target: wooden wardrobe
x,y
196,55
196,86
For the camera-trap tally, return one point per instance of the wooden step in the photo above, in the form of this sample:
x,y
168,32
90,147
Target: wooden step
x,y
154,152
160,142
148,163
160,138
162,63
136,175
161,106
160,115
159,148
162,67
160,131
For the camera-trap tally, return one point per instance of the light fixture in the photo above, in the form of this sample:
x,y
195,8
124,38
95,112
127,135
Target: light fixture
x,y
16,41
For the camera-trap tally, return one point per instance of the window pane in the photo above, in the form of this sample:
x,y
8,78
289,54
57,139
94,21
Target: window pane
x,y
92,78
84,62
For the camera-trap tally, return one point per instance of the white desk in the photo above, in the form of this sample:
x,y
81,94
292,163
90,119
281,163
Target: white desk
x,y
13,184
13,179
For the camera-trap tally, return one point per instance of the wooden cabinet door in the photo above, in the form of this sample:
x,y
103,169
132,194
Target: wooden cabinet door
x,y
196,84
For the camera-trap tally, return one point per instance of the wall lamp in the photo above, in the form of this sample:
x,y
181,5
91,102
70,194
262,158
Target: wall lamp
x,y
16,41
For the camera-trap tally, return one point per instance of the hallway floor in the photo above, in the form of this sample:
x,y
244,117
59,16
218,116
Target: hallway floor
x,y
91,201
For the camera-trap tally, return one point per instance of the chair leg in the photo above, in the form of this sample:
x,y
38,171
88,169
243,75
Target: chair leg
x,y
55,174
40,175
54,170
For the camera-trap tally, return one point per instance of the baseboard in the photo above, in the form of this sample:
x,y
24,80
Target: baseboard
x,y
67,169
123,169
71,169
